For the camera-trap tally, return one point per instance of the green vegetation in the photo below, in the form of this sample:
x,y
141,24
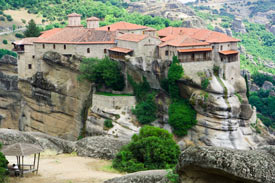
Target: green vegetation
x,y
32,30
181,114
260,78
182,117
5,41
102,72
146,107
262,6
172,176
109,11
7,52
153,148
108,124
239,97
204,83
146,110
3,167
18,35
265,105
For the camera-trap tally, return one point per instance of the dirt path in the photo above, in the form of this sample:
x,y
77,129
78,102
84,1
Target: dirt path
x,y
68,169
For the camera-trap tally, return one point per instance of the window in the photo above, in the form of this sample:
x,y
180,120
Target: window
x,y
30,66
166,52
213,47
222,59
53,46
204,56
88,50
65,47
43,46
33,56
221,47
193,57
105,50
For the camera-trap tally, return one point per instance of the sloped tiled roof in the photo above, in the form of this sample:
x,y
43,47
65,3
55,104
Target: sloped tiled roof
x,y
122,26
78,35
132,37
194,50
26,41
229,52
74,15
181,41
199,34
121,50
93,19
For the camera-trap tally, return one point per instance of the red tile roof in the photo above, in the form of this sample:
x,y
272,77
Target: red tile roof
x,y
132,37
93,19
122,50
49,32
229,52
26,41
78,35
194,50
181,41
199,34
122,26
74,15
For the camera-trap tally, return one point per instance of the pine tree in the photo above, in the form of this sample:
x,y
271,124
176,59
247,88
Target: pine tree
x,y
32,30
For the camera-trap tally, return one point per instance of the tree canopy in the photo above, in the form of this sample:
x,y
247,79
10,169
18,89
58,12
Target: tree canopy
x,y
32,30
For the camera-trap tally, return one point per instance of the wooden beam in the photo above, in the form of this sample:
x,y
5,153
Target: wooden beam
x,y
38,163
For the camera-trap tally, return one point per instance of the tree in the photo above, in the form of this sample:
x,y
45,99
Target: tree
x,y
3,166
152,148
175,72
32,30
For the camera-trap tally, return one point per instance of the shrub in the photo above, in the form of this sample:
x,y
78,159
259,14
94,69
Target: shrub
x,y
140,89
216,70
175,72
3,166
181,117
146,110
172,176
7,52
102,72
152,148
5,41
108,124
204,83
18,35
2,19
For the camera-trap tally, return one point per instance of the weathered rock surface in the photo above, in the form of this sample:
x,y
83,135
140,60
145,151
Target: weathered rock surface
x,y
151,176
215,164
55,101
97,147
10,97
238,26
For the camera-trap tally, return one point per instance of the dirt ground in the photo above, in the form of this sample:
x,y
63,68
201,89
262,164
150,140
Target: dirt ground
x,y
67,169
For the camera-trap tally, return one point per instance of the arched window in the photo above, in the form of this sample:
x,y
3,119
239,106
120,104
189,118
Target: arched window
x,y
88,50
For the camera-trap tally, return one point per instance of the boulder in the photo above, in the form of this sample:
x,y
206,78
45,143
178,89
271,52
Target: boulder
x,y
267,85
215,164
152,176
238,26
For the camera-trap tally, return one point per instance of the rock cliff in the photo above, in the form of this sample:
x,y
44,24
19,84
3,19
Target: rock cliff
x,y
10,98
55,102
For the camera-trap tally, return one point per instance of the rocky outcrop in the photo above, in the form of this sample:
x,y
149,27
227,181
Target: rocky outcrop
x,y
10,97
152,176
55,101
97,147
214,164
174,10
238,26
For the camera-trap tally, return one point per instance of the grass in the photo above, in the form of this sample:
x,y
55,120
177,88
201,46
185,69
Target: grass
x,y
109,168
112,94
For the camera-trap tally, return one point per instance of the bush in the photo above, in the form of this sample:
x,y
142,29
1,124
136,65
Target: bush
x,y
204,83
5,41
18,35
181,117
7,52
153,148
141,89
175,72
102,72
108,124
3,166
146,110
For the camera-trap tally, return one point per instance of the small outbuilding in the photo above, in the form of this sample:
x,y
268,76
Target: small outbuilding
x,y
20,150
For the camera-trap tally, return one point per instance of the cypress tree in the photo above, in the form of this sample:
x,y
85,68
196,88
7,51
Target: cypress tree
x,y
32,30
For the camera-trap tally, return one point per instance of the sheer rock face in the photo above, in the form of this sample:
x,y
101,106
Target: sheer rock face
x,y
224,115
214,164
97,147
152,176
9,95
55,102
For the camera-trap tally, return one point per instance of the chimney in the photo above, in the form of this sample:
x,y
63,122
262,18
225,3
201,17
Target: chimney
x,y
92,23
74,20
